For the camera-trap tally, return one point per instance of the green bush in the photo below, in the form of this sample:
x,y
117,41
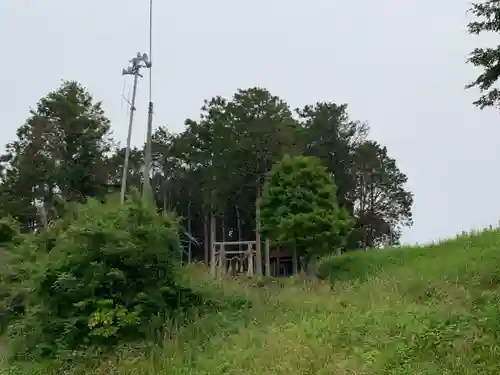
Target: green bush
x,y
103,274
9,230
14,270
358,265
21,260
299,208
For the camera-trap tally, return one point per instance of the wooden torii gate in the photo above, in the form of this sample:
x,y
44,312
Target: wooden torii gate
x,y
224,260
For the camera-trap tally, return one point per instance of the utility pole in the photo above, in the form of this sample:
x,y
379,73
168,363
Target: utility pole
x,y
147,191
137,63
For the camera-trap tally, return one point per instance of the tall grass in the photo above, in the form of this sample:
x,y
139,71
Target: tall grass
x,y
426,310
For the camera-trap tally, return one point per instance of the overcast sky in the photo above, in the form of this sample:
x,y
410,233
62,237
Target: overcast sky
x,y
398,64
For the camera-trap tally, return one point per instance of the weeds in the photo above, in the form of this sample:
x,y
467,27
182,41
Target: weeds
x,y
428,310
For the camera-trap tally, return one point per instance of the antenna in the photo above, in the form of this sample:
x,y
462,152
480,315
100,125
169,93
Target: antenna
x,y
147,190
136,64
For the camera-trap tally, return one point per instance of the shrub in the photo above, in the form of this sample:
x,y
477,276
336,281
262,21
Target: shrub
x,y
21,260
107,272
9,230
13,270
299,208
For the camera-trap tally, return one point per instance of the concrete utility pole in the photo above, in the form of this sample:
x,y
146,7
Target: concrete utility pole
x,y
137,63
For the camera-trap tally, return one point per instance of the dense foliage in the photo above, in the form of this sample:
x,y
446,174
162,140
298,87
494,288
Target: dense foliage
x,y
107,272
213,170
9,230
487,20
299,208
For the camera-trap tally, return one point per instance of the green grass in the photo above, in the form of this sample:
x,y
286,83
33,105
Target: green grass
x,y
426,310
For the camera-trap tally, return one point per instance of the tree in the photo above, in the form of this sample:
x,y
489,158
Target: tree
x,y
167,168
487,15
207,145
16,200
380,207
9,230
111,268
175,184
263,131
73,130
61,150
382,204
114,168
331,136
299,208
214,168
203,149
231,147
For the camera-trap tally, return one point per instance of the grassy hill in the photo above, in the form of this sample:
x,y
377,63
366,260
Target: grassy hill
x,y
427,310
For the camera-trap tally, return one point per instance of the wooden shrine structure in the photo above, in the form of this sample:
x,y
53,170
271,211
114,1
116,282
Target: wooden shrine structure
x,y
228,261
240,258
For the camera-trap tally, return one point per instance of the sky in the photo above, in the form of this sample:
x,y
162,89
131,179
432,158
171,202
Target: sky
x,y
399,65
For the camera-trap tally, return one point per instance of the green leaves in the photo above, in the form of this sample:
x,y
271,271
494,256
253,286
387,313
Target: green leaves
x,y
299,207
216,166
59,154
108,269
383,203
487,14
9,230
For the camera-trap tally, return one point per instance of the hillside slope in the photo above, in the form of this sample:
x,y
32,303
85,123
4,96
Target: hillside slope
x,y
429,310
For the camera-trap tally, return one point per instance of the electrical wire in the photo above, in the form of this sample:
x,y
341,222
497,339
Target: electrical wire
x,y
123,92
125,99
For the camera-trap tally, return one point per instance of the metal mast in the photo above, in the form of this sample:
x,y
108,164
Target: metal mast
x,y
136,64
146,189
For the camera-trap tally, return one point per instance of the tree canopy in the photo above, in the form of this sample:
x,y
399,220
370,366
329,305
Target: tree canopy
x,y
487,20
214,168
299,208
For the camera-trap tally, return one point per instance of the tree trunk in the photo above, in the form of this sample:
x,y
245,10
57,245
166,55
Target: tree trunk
x,y
295,262
212,245
43,214
238,226
303,264
190,249
206,237
267,257
310,267
165,205
258,251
